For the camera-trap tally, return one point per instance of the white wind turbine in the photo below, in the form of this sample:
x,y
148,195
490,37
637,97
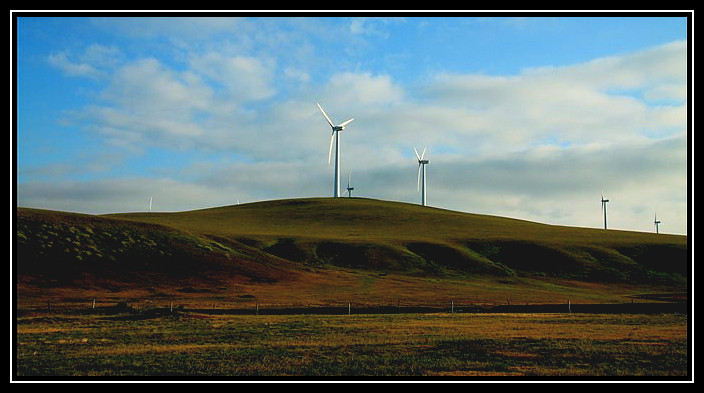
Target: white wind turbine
x,y
336,137
421,170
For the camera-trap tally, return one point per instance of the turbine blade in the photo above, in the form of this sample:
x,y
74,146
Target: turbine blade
x,y
422,155
419,168
417,156
347,122
332,137
326,115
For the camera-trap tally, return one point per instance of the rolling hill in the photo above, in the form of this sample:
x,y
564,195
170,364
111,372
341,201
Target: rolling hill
x,y
317,249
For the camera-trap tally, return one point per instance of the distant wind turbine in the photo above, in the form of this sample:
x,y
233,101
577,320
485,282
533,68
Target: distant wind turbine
x,y
422,162
349,188
150,203
603,207
335,136
657,224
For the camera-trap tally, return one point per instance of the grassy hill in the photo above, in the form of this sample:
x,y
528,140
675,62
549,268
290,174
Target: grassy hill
x,y
320,249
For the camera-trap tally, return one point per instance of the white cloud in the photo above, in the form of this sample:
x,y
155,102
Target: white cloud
x,y
594,101
147,103
245,78
94,62
645,68
61,61
359,89
147,85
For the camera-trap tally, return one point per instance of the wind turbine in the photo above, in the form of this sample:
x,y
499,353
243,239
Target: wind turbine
x,y
335,136
657,224
349,189
421,169
150,203
603,207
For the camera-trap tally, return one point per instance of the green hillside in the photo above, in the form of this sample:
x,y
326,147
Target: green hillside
x,y
286,241
373,234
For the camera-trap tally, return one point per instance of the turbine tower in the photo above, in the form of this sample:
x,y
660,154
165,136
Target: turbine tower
x,y
657,224
421,171
335,136
603,207
349,189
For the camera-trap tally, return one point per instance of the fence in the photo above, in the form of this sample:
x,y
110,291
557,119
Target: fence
x,y
349,308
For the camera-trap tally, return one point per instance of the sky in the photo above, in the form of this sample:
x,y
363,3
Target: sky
x,y
523,115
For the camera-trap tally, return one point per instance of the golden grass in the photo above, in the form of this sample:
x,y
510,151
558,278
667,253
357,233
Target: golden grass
x,y
516,344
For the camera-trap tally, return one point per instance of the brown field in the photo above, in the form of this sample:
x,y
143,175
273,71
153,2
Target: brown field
x,y
590,346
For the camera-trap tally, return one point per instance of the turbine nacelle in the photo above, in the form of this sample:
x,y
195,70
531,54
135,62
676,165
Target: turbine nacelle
x,y
338,127
421,156
341,126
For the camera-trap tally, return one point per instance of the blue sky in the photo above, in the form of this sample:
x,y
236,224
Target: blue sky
x,y
524,115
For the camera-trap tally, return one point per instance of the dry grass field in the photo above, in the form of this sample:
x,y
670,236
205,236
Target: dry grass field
x,y
192,345
194,294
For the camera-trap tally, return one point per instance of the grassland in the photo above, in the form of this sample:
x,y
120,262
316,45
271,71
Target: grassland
x,y
328,251
187,345
92,293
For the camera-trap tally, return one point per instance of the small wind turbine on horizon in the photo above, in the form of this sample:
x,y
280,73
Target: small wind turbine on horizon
x,y
150,203
657,224
335,136
422,162
603,207
349,188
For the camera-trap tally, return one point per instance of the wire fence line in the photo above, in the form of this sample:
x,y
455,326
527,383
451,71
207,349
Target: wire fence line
x,y
340,308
